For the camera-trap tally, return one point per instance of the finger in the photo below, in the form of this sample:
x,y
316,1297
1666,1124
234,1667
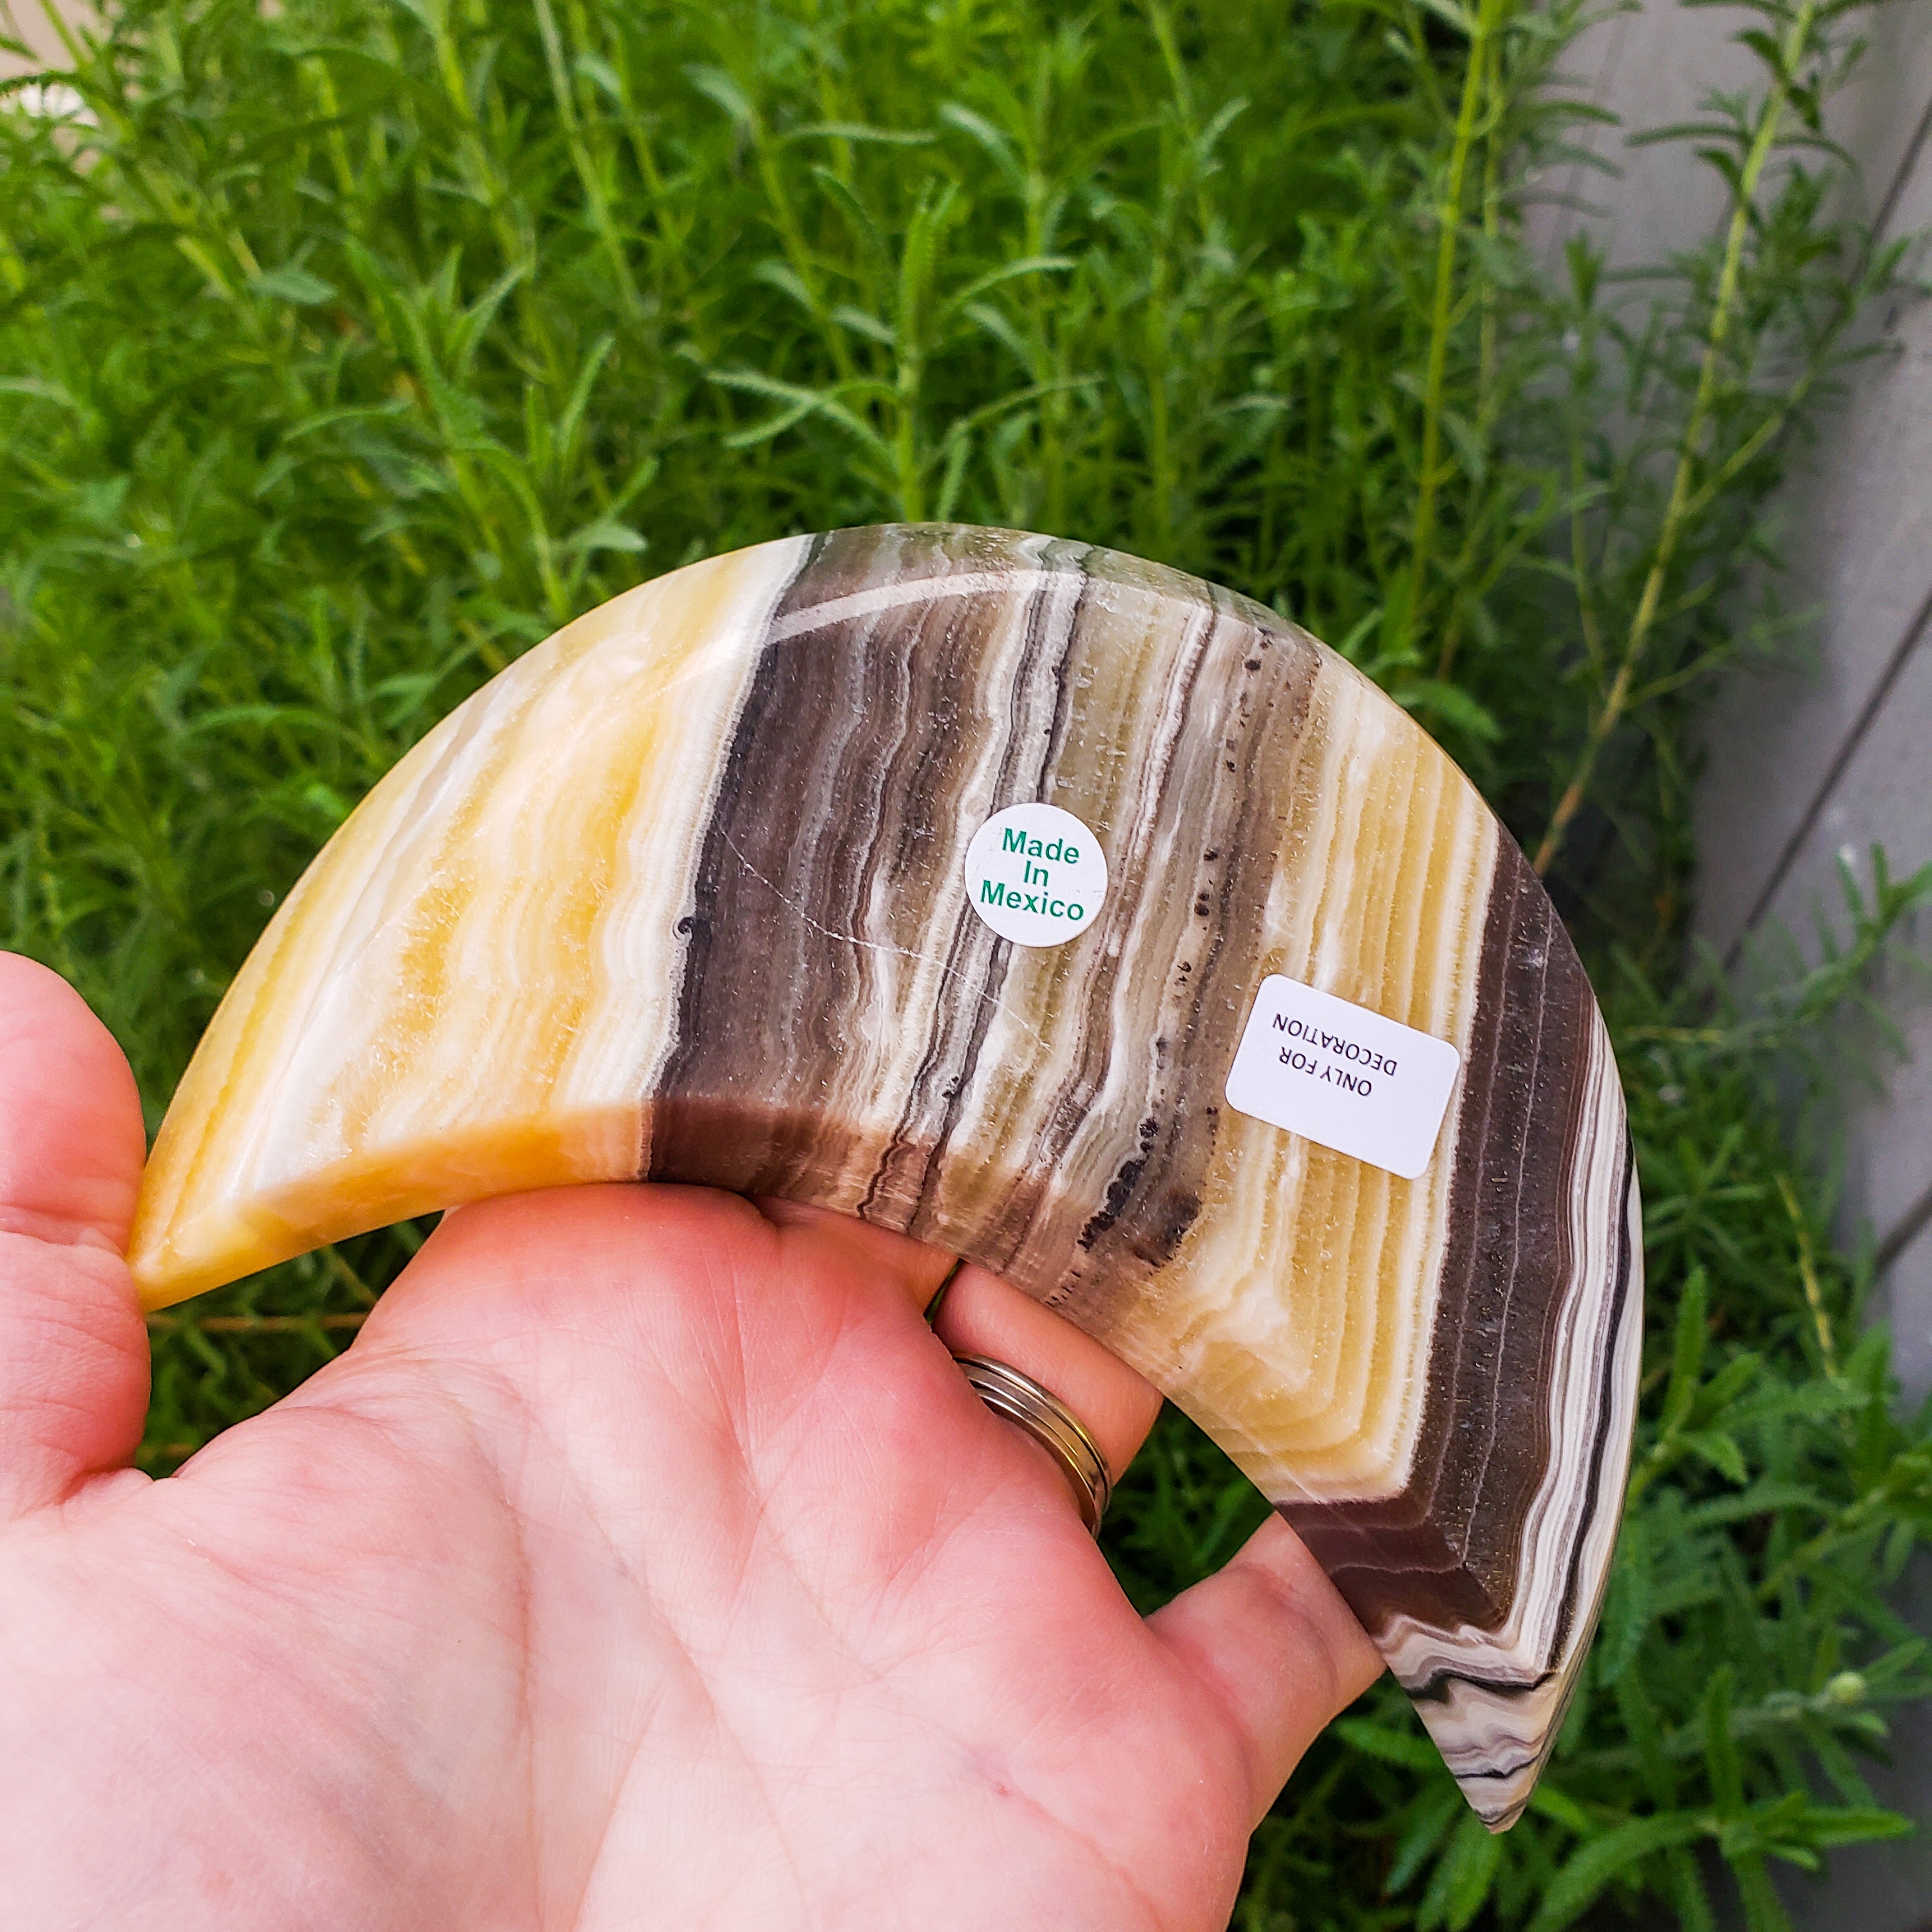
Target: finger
x,y
703,1233
983,1316
1275,1648
73,1350
909,1267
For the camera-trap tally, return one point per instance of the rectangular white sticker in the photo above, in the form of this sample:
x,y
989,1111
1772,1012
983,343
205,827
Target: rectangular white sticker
x,y
1343,1076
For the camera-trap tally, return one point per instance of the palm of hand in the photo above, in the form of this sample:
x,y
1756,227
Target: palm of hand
x,y
647,1561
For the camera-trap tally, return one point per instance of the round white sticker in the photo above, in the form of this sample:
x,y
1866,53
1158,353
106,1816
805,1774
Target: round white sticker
x,y
1036,874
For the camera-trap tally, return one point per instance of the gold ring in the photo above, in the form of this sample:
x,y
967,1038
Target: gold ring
x,y
1052,1424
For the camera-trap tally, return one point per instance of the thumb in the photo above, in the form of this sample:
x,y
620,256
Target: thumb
x,y
1275,1647
73,1351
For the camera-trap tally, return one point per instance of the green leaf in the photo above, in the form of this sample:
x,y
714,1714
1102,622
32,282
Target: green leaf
x,y
605,536
1688,1891
294,286
1763,1910
1451,708
716,85
1858,1825
1431,1817
1391,1746
1721,1750
1687,1355
1760,1499
860,131
1721,1452
1582,1877
1549,1801
1460,1884
1726,1387
1451,15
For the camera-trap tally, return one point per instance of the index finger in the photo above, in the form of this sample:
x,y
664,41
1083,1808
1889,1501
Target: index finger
x,y
74,1352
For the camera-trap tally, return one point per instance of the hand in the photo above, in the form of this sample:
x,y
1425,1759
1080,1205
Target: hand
x,y
647,1562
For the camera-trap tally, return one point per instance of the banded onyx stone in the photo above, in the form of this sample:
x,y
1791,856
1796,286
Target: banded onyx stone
x,y
682,894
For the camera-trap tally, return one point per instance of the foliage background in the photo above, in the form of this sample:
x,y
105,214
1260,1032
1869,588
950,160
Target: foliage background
x,y
345,353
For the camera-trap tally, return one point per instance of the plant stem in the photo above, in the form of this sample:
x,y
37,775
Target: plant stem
x,y
1676,511
1807,1272
1449,222
1579,560
595,199
1489,346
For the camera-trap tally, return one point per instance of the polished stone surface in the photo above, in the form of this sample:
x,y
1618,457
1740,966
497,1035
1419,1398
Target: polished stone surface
x,y
682,894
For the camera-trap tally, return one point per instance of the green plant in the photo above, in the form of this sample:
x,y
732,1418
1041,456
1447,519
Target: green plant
x,y
346,351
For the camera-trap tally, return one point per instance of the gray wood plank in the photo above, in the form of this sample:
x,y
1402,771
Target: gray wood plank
x,y
1655,66
1906,1290
1650,67
1873,117
26,20
1883,796
1859,517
